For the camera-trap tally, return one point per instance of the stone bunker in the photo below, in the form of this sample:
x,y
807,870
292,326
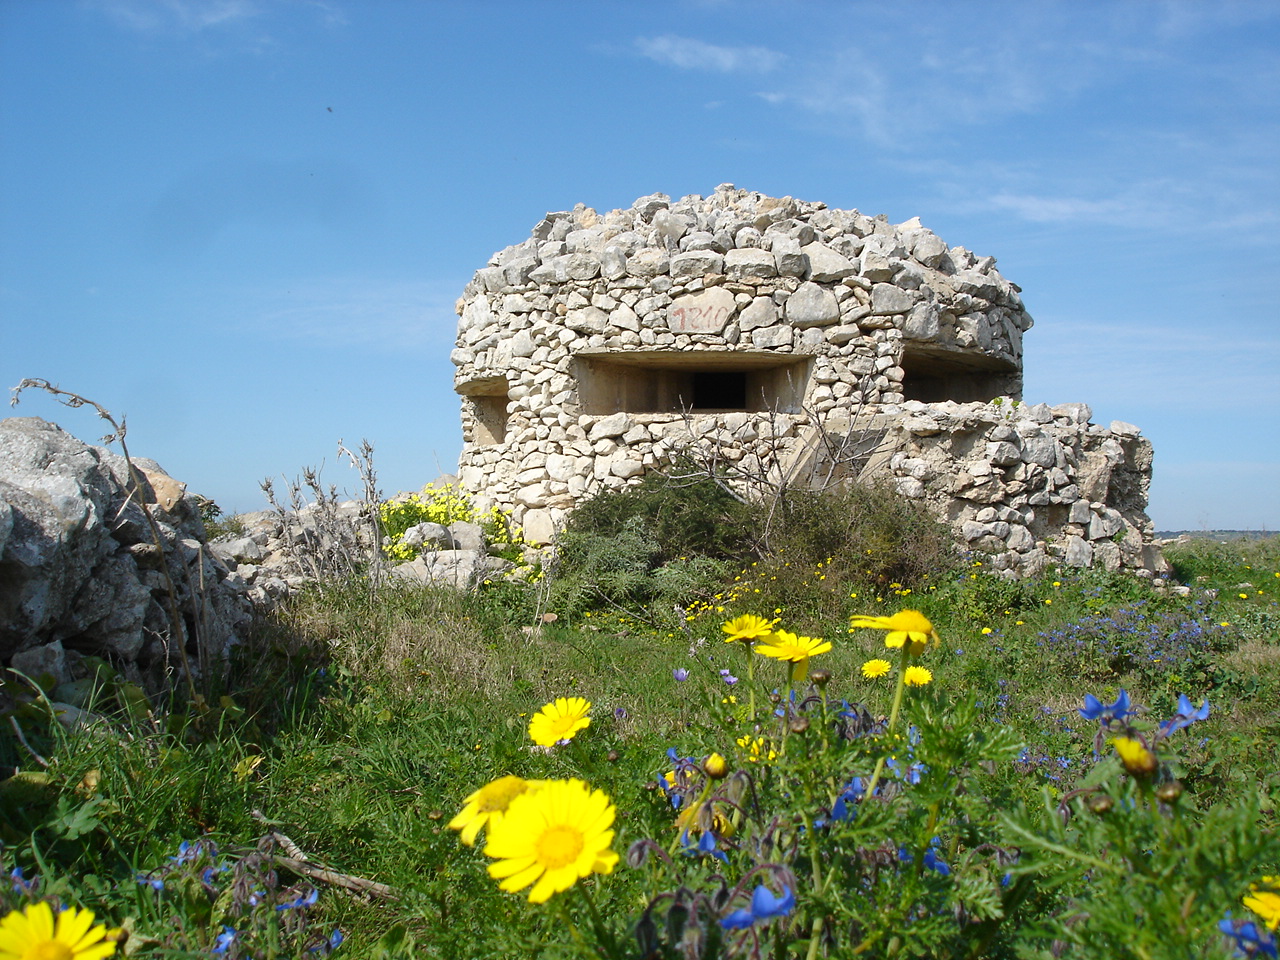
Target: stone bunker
x,y
784,342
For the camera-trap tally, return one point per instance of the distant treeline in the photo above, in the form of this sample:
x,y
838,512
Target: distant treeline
x,y
1224,535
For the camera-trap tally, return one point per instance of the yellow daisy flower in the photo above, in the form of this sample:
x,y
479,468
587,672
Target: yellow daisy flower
x,y
747,628
552,837
487,805
559,720
876,668
786,645
1264,900
910,627
35,934
916,677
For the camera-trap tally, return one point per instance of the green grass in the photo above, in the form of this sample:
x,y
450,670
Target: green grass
x,y
357,725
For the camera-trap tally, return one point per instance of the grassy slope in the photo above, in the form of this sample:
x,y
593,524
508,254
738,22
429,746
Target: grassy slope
x,y
375,718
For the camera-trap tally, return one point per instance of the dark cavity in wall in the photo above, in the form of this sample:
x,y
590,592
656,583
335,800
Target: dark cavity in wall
x,y
704,381
932,374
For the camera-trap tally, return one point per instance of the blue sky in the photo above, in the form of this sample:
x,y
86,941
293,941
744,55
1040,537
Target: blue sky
x,y
244,223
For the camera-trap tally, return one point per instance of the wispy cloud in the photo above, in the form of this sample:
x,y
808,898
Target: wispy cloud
x,y
1047,209
364,314
689,54
180,16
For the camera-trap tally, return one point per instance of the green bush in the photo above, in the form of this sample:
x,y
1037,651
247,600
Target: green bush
x,y
651,545
683,515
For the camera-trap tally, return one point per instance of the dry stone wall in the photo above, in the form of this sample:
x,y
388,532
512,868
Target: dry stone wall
x,y
82,578
754,328
1028,485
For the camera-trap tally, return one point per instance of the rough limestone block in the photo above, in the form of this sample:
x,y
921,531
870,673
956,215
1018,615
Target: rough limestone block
x,y
750,264
875,267
789,259
1003,453
649,262
705,312
626,469
812,306
827,266
613,262
1079,552
611,426
929,249
768,338
697,263
922,323
886,299
760,312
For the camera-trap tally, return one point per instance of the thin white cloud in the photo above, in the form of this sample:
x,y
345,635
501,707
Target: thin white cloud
x,y
369,315
1056,209
689,54
181,16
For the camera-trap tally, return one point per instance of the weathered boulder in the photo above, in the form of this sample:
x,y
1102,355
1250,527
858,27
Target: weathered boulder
x,y
81,573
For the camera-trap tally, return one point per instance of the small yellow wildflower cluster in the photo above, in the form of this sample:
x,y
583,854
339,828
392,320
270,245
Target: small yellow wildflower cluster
x,y
444,505
740,590
757,749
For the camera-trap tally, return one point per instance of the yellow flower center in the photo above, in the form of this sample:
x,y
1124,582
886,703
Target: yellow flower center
x,y
559,846
51,950
497,796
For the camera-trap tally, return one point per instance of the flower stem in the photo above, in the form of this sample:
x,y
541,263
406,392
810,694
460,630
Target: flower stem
x,y
893,720
603,935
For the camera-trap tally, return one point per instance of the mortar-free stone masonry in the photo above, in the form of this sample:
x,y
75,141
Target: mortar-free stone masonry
x,y
764,333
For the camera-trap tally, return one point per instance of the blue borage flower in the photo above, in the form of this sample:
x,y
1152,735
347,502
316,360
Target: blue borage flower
x,y
305,900
328,946
149,880
706,846
684,769
728,677
783,709
1249,940
930,859
910,774
223,941
764,906
1117,712
1187,715
21,885
846,805
680,674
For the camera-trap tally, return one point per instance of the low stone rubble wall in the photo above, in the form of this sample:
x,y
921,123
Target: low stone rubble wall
x,y
1028,484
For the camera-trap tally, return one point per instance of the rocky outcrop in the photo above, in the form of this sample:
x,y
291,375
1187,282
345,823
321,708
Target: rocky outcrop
x,y
81,575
